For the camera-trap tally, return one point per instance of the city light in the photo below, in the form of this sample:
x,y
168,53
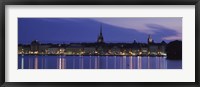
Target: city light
x,y
98,48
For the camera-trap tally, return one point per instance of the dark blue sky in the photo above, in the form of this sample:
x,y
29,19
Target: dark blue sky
x,y
66,30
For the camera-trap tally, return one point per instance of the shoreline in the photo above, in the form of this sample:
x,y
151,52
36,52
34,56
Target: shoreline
x,y
89,55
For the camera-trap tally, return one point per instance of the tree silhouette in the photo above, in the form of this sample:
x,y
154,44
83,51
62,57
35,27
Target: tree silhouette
x,y
174,50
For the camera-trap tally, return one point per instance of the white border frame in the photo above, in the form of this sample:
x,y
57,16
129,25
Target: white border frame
x,y
187,74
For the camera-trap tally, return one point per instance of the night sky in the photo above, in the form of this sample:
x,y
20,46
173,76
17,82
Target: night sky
x,y
72,30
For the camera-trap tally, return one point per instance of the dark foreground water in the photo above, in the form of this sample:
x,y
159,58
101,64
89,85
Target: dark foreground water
x,y
96,62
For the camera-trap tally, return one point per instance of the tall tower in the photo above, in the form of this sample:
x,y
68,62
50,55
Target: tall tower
x,y
150,40
35,46
100,37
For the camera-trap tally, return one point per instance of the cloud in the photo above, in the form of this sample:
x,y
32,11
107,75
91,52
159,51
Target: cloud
x,y
147,25
175,37
167,33
169,27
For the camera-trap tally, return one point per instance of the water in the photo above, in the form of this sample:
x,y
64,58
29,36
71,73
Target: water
x,y
96,62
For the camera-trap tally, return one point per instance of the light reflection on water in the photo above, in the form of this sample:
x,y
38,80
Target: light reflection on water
x,y
96,62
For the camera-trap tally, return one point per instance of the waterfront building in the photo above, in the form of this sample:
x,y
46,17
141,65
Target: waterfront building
x,y
101,50
89,50
135,50
61,50
74,49
43,48
53,50
20,49
143,51
114,50
153,49
23,49
34,47
97,48
157,48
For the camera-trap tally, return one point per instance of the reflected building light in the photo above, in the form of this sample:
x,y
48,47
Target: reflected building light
x,y
95,62
60,63
162,63
63,63
130,64
165,64
115,62
157,62
139,62
36,62
124,62
148,62
22,64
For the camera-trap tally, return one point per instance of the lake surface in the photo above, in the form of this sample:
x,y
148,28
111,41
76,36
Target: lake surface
x,y
96,62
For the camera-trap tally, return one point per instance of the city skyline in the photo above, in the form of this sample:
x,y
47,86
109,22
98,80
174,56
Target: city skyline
x,y
69,30
100,43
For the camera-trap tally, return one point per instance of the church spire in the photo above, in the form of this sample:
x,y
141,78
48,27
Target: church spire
x,y
150,40
100,37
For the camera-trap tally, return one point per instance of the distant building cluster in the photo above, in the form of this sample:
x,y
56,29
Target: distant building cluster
x,y
97,48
